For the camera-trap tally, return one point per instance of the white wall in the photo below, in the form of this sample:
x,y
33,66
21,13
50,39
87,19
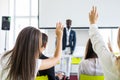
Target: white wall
x,y
81,40
4,11
77,10
52,11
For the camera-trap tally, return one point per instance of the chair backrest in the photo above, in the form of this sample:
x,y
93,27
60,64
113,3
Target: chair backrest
x,y
75,60
42,77
90,77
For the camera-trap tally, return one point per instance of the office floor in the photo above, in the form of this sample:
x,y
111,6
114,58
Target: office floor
x,y
73,77
74,71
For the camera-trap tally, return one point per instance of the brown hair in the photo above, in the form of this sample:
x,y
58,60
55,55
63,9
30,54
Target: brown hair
x,y
118,38
44,39
22,60
89,52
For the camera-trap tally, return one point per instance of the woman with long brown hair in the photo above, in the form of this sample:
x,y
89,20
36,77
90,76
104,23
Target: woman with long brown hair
x,y
22,63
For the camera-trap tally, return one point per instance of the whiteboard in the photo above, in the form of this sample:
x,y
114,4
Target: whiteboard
x,y
51,11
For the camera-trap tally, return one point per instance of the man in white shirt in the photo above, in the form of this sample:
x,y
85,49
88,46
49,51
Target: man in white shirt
x,y
68,47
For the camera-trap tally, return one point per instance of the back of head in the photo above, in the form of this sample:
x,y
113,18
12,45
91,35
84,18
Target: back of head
x,y
44,39
89,52
22,59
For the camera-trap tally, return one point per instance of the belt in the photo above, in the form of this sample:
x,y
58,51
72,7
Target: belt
x,y
67,45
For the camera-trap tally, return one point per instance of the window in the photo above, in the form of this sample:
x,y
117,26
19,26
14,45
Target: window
x,y
25,14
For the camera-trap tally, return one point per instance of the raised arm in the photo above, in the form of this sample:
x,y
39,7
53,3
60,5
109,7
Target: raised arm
x,y
93,16
109,45
47,63
97,41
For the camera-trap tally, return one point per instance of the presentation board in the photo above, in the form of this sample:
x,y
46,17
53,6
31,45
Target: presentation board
x,y
51,11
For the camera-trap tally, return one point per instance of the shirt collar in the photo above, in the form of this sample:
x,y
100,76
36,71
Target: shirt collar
x,y
68,29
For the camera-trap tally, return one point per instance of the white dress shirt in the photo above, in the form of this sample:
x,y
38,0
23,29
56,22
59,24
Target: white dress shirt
x,y
67,50
68,34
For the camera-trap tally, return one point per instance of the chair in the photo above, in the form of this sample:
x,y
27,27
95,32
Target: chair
x,y
42,77
90,77
75,60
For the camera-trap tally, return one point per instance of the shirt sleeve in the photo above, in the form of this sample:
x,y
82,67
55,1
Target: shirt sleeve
x,y
38,64
100,48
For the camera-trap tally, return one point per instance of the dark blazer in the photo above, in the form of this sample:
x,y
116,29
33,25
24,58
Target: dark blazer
x,y
49,72
72,40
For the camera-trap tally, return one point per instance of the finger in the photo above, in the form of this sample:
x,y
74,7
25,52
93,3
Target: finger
x,y
57,24
60,24
62,27
93,9
97,15
89,15
96,11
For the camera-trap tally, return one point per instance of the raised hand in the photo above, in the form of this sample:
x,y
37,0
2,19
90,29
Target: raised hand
x,y
109,45
59,29
93,15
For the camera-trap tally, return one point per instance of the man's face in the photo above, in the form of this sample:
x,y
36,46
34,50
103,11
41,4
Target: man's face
x,y
68,23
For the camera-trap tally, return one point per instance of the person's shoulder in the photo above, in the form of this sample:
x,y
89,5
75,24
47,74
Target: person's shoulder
x,y
90,59
83,61
86,61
